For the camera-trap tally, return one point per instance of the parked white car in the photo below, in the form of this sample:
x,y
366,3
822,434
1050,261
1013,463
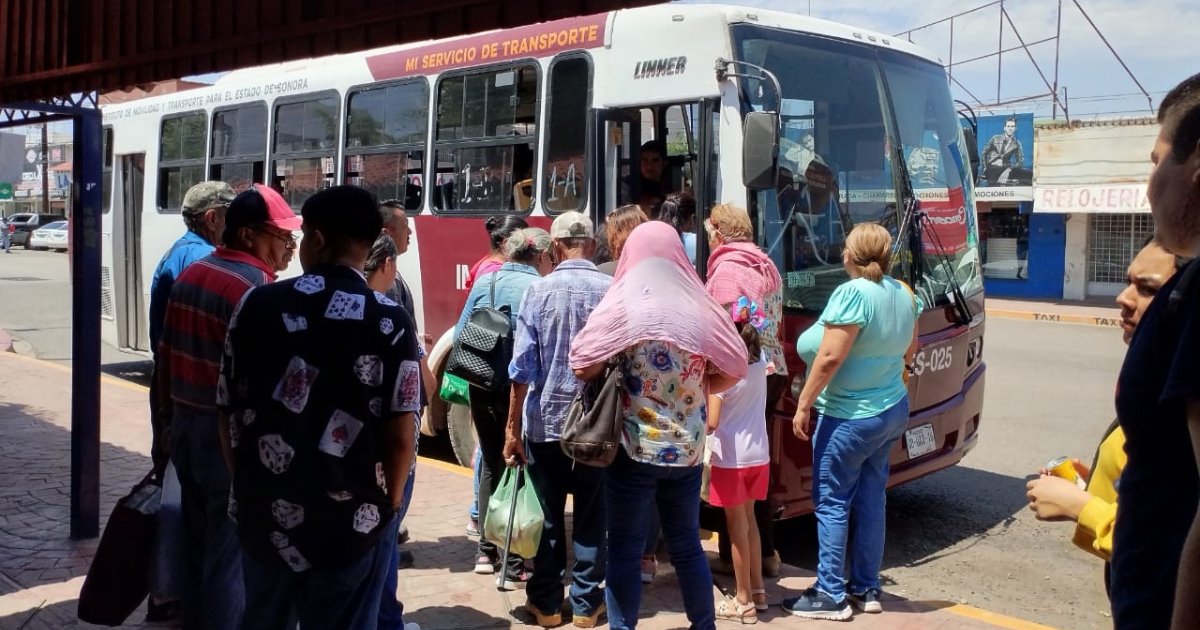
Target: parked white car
x,y
51,236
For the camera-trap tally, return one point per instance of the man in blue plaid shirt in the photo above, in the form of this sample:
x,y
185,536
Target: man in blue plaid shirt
x,y
553,310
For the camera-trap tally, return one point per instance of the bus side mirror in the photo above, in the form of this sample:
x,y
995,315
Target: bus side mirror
x,y
972,148
760,149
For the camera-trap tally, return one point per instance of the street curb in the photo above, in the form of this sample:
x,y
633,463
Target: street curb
x,y
6,342
1062,318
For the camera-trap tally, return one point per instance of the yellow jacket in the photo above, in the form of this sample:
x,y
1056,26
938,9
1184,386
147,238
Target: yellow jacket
x,y
1095,530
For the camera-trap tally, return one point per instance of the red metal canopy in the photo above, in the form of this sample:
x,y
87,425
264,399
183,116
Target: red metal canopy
x,y
57,47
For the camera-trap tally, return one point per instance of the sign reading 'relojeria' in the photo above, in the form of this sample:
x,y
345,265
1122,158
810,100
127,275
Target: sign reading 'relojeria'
x,y
1091,199
537,40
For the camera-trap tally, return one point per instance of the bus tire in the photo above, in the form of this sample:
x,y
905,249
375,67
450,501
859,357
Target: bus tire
x,y
462,433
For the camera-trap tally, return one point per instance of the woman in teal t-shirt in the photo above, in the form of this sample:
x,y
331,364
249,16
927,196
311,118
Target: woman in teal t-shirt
x,y
856,353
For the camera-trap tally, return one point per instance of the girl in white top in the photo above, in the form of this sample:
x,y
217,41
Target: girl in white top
x,y
740,458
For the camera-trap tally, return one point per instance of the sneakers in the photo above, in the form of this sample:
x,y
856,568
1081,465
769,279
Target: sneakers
x,y
589,621
813,604
515,579
867,602
542,619
402,536
472,528
649,569
484,565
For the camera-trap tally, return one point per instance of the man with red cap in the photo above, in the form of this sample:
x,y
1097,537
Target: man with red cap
x,y
258,243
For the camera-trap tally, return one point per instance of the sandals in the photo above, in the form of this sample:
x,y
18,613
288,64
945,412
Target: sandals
x,y
732,610
759,597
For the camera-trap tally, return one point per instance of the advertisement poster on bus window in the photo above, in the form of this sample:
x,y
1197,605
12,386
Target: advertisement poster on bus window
x,y
1005,158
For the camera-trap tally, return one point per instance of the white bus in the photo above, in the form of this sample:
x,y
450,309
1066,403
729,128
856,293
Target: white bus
x,y
811,125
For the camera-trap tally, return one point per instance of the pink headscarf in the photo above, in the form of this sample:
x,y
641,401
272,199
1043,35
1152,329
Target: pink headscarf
x,y
657,296
737,269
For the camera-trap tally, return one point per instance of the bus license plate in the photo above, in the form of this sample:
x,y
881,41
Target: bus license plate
x,y
920,440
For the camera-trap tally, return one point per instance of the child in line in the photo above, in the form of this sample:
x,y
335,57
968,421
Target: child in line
x,y
740,465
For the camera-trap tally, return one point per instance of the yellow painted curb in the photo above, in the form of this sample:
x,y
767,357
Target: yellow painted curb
x,y
446,466
1062,318
996,619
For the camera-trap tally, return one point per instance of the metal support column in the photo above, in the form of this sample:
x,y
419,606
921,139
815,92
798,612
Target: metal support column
x,y
85,326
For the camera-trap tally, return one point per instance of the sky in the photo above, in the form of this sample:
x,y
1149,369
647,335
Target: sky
x,y
1096,85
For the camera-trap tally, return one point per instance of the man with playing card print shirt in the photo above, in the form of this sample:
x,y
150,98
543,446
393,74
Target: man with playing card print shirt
x,y
320,385
257,243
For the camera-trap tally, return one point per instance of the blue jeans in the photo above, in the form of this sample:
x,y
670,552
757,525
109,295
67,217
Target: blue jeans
x,y
630,488
213,593
850,469
346,598
554,476
391,609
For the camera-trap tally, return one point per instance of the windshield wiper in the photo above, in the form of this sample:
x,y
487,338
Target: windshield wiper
x,y
914,227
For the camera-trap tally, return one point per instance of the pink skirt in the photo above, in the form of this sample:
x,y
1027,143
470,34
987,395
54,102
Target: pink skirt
x,y
729,487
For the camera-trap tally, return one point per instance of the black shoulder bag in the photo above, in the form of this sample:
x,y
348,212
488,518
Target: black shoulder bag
x,y
595,420
484,348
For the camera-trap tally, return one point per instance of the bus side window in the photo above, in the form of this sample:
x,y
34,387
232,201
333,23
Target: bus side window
x,y
565,167
305,144
385,141
485,146
180,158
239,145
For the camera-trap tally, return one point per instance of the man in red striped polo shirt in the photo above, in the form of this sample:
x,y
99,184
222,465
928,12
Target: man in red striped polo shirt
x,y
258,243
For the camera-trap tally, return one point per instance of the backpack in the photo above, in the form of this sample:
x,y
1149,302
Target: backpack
x,y
595,420
484,348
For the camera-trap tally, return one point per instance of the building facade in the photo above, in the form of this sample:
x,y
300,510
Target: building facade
x,y
1086,218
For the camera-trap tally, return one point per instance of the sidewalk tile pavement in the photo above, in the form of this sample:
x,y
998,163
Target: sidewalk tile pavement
x,y
42,569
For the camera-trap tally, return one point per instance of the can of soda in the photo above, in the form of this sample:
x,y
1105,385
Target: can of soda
x,y
1062,467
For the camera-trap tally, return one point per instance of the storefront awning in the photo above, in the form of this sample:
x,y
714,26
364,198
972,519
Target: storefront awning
x,y
1103,198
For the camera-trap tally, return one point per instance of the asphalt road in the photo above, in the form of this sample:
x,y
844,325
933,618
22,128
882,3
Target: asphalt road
x,y
962,535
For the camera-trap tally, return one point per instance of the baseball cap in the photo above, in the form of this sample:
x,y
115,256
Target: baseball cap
x,y
261,204
207,195
572,225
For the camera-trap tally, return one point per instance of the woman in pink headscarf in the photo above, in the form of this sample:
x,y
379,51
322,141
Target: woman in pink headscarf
x,y
738,267
674,345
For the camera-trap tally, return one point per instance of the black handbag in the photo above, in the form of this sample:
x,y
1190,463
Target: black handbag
x,y
119,578
484,348
595,420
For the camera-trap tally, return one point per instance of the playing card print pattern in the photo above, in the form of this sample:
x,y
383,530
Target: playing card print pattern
x,y
345,306
340,434
318,378
297,382
408,387
310,284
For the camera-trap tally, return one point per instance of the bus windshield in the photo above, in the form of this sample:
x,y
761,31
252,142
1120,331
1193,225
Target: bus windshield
x,y
844,106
